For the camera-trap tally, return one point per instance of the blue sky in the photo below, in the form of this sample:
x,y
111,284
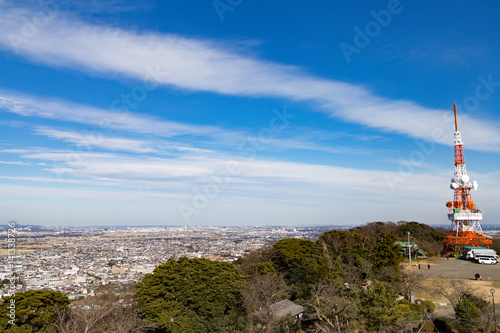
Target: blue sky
x,y
236,112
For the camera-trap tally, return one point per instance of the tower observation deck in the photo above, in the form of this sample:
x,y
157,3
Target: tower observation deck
x,y
462,211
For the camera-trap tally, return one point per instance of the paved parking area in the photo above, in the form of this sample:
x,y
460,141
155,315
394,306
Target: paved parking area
x,y
457,269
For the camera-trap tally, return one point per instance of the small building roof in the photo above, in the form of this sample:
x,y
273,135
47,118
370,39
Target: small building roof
x,y
285,307
404,243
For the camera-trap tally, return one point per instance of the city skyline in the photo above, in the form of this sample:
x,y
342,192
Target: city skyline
x,y
239,113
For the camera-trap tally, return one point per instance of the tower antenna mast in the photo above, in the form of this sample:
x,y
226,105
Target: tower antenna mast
x,y
462,212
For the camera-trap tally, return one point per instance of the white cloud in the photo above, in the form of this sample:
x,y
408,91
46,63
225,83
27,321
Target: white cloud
x,y
93,140
199,65
14,163
258,178
61,181
104,120
278,188
98,140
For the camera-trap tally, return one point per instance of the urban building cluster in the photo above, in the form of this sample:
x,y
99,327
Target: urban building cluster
x,y
77,261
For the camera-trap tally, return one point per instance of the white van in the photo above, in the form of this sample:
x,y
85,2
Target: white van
x,y
487,260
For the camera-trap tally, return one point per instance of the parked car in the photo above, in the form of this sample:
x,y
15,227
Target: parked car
x,y
487,260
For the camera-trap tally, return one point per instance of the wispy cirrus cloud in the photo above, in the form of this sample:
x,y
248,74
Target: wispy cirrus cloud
x,y
106,142
264,181
261,183
188,137
112,6
99,118
92,140
15,163
257,178
206,65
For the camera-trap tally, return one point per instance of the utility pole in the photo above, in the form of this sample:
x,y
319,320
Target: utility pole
x,y
409,247
492,291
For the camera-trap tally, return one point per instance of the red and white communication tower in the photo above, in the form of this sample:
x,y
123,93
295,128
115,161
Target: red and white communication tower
x,y
463,213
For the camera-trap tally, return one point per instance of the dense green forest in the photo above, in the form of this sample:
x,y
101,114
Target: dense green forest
x,y
346,281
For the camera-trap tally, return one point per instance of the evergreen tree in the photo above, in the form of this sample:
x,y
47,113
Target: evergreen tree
x,y
35,310
387,254
302,262
189,295
379,309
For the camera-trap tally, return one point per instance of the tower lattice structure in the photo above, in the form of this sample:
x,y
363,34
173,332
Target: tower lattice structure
x,y
463,212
